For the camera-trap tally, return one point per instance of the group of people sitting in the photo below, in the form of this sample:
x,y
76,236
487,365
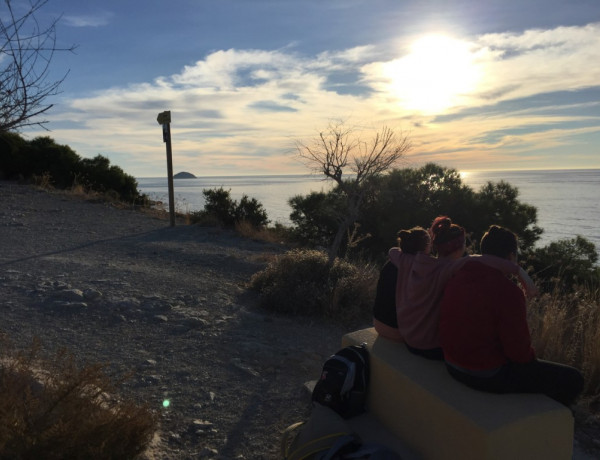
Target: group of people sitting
x,y
467,311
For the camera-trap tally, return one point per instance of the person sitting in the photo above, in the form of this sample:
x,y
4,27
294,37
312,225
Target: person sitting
x,y
385,322
484,331
421,280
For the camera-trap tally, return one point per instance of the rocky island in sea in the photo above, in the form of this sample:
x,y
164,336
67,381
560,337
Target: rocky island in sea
x,y
184,175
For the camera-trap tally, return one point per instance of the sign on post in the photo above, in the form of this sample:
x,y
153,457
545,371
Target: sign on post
x,y
164,119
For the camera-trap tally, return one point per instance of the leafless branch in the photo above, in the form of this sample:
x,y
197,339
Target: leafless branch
x,y
338,150
26,52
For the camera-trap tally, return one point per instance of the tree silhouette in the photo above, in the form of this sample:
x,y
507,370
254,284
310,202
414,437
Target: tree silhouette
x,y
339,151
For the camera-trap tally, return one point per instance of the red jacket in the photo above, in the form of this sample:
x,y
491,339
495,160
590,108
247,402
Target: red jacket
x,y
421,282
483,320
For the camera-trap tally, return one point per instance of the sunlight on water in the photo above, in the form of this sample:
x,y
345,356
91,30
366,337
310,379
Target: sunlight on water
x,y
566,200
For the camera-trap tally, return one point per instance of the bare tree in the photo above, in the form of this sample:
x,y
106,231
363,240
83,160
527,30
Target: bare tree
x,y
26,51
337,151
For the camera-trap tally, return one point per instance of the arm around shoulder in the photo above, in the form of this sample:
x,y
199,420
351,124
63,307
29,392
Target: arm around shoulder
x,y
529,286
504,265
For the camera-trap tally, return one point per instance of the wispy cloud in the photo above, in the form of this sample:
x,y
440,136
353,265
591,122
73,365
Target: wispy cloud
x,y
92,20
246,107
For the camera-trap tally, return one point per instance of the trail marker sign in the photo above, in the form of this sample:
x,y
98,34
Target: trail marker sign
x,y
164,119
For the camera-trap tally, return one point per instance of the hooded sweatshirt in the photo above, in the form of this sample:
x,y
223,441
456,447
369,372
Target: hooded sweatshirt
x,y
484,320
421,282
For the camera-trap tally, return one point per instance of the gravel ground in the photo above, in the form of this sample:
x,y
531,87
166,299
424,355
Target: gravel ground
x,y
170,305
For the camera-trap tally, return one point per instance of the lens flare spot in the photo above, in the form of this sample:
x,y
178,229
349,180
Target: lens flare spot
x,y
166,403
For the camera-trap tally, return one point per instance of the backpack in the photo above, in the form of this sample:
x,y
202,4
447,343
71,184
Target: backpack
x,y
344,381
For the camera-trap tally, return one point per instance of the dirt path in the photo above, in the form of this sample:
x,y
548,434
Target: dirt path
x,y
169,304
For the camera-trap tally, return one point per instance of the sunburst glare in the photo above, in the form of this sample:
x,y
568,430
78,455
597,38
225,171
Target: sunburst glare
x,y
437,73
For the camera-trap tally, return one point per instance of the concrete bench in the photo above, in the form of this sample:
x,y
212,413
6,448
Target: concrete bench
x,y
438,418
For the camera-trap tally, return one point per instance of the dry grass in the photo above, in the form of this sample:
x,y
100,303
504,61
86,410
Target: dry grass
x,y
277,234
566,328
52,409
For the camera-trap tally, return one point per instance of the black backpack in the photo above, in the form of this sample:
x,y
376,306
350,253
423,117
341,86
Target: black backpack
x,y
344,381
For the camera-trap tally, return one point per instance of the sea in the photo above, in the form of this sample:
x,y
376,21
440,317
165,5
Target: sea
x,y
567,200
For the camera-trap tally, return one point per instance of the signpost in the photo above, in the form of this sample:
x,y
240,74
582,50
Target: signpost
x,y
164,119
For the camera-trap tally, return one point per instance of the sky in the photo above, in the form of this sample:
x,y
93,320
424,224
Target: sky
x,y
473,84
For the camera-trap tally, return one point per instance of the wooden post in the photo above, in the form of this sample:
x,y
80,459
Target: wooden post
x,y
164,119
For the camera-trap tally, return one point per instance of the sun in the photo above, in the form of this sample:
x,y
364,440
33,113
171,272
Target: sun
x,y
437,74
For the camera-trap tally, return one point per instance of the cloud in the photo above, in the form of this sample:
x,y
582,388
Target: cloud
x,y
95,20
246,107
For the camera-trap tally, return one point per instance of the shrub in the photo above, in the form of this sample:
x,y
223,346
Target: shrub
x,y
44,161
10,146
302,282
315,217
52,409
278,234
251,210
415,196
566,264
42,156
97,174
221,209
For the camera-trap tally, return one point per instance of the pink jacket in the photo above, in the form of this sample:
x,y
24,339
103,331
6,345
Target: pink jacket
x,y
421,282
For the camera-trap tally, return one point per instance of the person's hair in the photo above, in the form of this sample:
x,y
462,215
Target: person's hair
x,y
446,236
414,240
499,241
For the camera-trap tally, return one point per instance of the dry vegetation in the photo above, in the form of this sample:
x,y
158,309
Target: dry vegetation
x,y
566,328
52,409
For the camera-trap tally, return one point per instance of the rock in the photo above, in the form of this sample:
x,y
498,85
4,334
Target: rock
x,y
201,424
70,306
195,322
236,362
179,329
184,175
69,295
91,294
127,304
208,452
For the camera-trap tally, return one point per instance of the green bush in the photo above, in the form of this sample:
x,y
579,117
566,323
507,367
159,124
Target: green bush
x,y
315,217
43,157
61,167
97,174
250,210
565,264
10,146
415,196
52,409
301,282
221,209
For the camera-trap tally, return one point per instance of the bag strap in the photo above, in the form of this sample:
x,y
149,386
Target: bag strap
x,y
369,448
285,439
339,445
319,445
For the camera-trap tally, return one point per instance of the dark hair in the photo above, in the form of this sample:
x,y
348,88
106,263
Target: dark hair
x,y
414,240
446,236
499,241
